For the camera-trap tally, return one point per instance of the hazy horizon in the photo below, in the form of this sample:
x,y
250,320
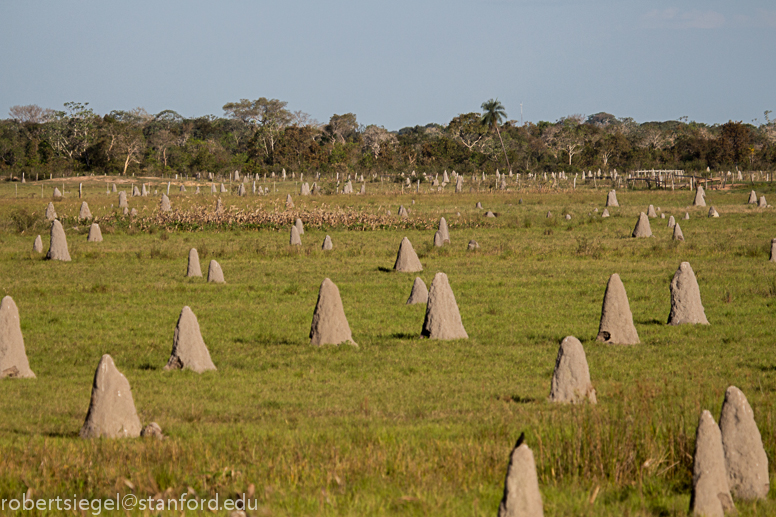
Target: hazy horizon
x,y
396,65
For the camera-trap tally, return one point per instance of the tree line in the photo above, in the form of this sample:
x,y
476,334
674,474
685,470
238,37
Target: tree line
x,y
263,135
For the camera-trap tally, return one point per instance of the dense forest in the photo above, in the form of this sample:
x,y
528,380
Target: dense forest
x,y
262,136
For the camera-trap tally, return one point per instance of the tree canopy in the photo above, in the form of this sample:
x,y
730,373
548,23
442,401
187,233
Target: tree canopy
x,y
263,135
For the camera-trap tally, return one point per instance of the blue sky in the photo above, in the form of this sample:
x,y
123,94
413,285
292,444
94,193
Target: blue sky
x,y
396,63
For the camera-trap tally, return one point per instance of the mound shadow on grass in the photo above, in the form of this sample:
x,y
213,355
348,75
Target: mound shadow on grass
x,y
517,399
271,339
52,434
653,321
403,335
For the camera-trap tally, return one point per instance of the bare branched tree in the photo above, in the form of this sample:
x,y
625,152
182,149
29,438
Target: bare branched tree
x,y
31,113
301,119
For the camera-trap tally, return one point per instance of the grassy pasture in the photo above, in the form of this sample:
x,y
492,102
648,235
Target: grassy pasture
x,y
398,425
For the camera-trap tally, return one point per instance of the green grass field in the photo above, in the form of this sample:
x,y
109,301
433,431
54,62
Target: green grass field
x,y
398,425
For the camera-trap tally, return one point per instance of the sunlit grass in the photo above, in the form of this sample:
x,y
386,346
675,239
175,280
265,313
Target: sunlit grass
x,y
399,425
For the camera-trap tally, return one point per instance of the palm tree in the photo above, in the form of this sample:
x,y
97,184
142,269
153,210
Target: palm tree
x,y
493,112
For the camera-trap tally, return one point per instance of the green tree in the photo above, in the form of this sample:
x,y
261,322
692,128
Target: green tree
x,y
267,117
734,141
341,128
71,132
167,134
11,143
468,129
299,146
492,114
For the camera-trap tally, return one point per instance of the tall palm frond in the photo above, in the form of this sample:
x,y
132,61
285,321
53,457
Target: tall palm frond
x,y
493,113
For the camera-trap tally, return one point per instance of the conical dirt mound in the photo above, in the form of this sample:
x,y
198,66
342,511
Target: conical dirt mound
x,y
651,212
51,213
37,246
295,239
112,410
678,235
164,206
95,234
289,202
193,268
214,273
571,378
329,326
189,351
611,198
443,321
406,259
642,228
58,246
699,198
616,318
745,459
444,231
299,226
123,200
773,250
710,494
84,213
686,306
327,245
521,486
752,198
13,357
419,293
